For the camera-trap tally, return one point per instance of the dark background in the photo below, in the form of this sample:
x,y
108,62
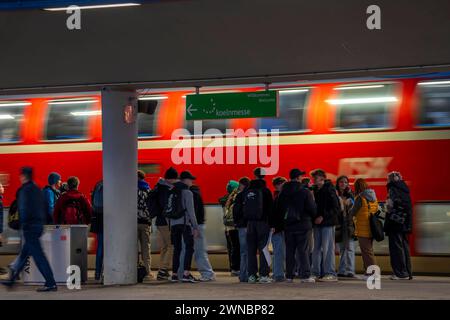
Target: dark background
x,y
173,43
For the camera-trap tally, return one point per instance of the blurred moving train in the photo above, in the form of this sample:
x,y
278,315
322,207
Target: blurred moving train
x,y
362,129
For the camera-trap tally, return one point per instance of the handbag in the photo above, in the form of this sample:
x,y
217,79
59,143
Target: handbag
x,y
13,216
376,224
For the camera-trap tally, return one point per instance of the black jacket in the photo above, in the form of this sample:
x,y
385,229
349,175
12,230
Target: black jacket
x,y
267,197
295,196
1,213
199,206
345,229
328,205
398,194
276,217
31,206
162,191
238,214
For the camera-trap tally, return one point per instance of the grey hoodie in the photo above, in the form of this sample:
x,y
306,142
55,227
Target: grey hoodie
x,y
368,194
187,201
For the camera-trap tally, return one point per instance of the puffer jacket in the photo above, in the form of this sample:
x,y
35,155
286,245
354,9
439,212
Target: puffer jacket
x,y
328,205
399,203
365,204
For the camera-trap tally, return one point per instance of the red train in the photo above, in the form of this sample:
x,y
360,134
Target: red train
x,y
357,128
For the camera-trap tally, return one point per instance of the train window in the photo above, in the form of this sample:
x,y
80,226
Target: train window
x,y
364,106
434,100
146,119
433,228
291,112
219,124
11,115
68,119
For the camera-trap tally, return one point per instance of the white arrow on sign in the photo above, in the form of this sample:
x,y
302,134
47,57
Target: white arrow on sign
x,y
189,110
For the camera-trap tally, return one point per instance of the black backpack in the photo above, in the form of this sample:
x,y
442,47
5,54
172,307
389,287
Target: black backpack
x,y
143,212
13,217
253,205
153,205
173,208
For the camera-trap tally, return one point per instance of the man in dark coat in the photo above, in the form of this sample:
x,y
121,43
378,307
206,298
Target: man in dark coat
x,y
32,217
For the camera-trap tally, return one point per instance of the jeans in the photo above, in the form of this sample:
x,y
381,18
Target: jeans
x,y
243,271
200,256
323,252
257,236
32,247
297,252
234,257
399,254
279,253
347,257
99,256
179,233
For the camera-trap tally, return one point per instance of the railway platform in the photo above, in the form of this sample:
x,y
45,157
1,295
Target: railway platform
x,y
227,288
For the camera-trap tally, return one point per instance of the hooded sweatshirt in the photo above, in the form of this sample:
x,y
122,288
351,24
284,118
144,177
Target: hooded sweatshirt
x,y
187,201
398,202
162,188
62,203
266,194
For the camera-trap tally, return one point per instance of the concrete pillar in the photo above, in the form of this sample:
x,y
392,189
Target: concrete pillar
x,y
119,187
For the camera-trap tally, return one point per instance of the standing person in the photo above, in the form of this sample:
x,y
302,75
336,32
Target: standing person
x,y
144,222
257,205
183,226
345,230
365,205
97,226
398,225
72,207
297,207
323,260
2,191
51,195
241,225
32,216
276,223
200,246
162,189
231,232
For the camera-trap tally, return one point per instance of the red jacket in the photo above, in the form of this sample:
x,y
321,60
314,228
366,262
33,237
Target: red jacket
x,y
72,208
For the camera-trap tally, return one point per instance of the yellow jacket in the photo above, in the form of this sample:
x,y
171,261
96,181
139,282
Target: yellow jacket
x,y
361,212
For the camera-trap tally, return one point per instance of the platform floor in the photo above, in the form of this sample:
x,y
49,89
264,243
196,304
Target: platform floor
x,y
227,288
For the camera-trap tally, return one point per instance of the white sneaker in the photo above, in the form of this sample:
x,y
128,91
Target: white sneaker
x,y
308,280
265,280
204,279
288,280
329,278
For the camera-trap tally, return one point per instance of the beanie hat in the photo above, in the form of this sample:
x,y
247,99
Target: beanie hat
x,y
232,185
171,173
53,178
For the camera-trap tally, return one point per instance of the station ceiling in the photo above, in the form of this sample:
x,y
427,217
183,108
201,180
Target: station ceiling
x,y
216,42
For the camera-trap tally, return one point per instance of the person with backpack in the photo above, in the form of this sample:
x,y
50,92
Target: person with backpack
x,y
328,206
231,232
257,205
51,194
97,226
72,207
157,201
241,225
297,208
200,246
276,223
366,204
30,202
398,226
144,222
345,229
183,225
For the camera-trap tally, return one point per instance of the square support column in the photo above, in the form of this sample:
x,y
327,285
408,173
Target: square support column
x,y
119,130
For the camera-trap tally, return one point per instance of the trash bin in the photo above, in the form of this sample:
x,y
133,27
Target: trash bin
x,y
63,245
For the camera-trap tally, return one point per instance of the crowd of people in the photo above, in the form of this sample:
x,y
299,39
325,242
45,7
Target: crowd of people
x,y
305,222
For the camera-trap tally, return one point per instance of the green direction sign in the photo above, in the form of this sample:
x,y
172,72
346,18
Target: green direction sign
x,y
232,105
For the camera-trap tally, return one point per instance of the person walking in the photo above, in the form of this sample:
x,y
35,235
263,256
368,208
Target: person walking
x,y
323,260
297,207
97,227
231,232
365,205
241,225
345,230
144,223
51,195
276,223
162,190
72,207
183,226
32,216
398,225
257,205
